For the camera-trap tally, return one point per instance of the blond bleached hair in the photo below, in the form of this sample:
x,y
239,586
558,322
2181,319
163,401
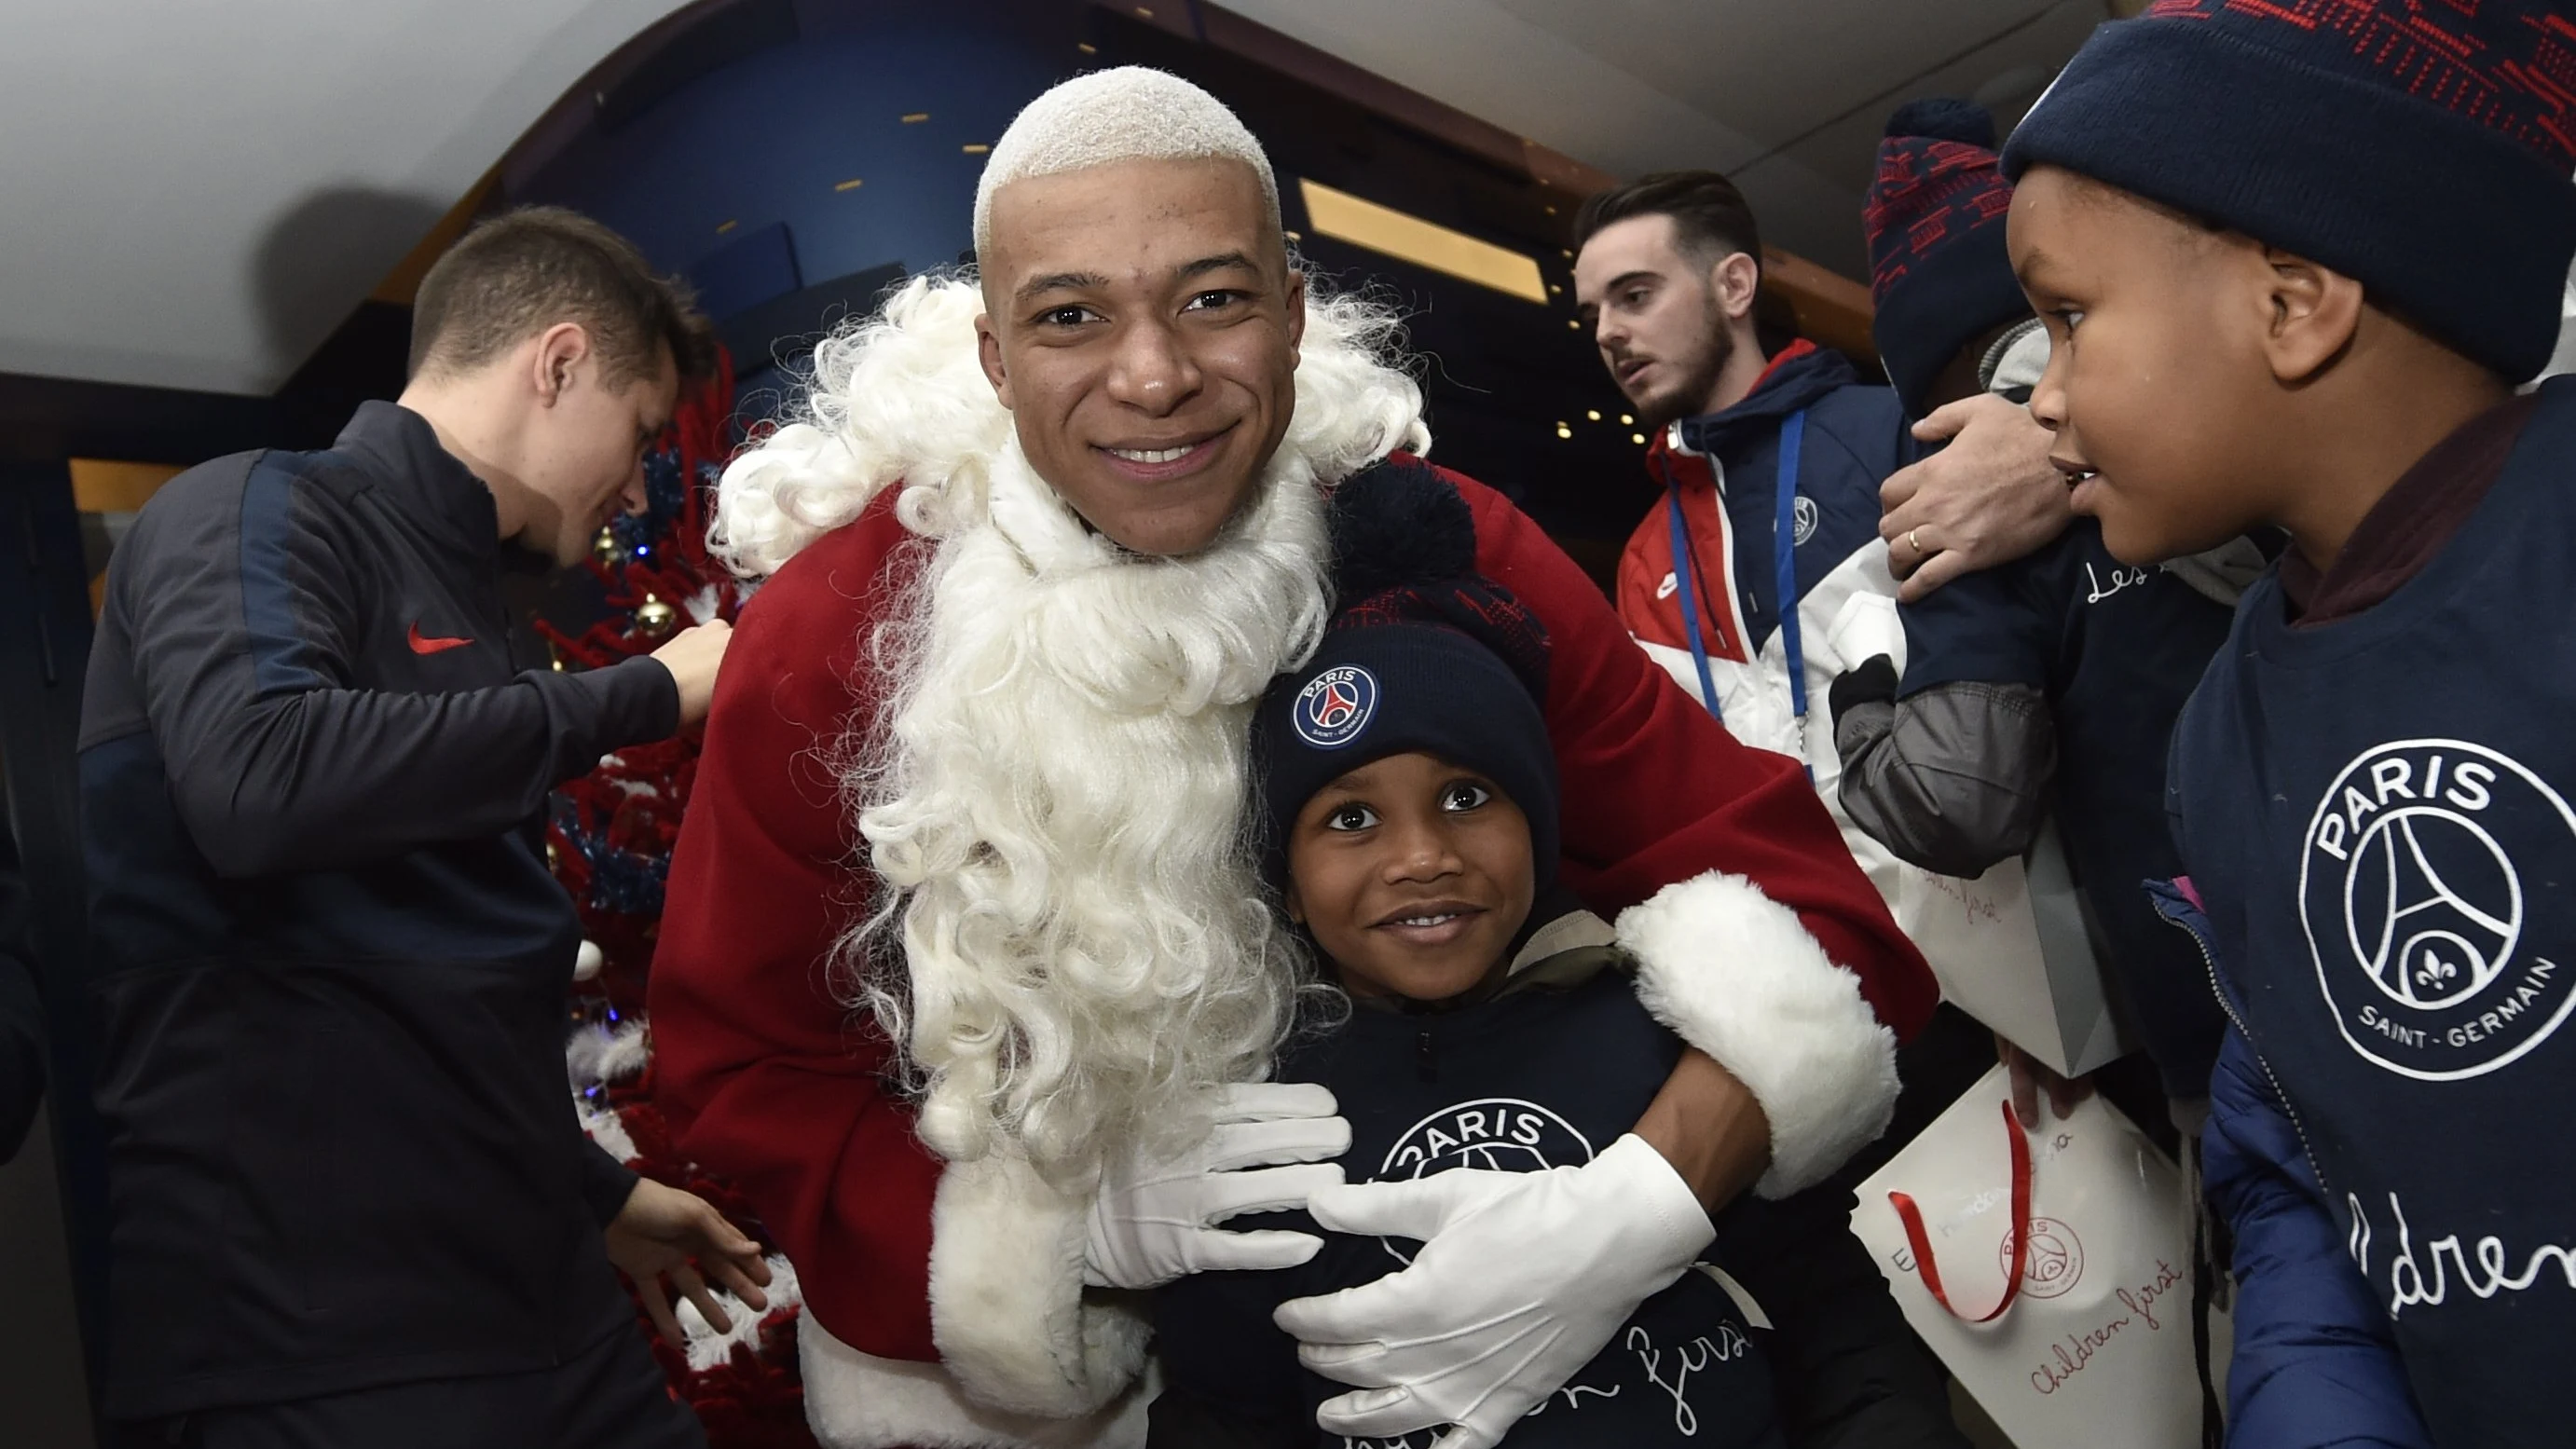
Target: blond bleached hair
x,y
1128,113
1068,941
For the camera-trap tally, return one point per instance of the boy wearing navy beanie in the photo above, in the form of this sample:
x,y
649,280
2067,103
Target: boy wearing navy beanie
x,y
2039,691
1492,1026
1945,308
2294,256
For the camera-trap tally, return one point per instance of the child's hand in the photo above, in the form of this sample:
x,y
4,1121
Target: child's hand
x,y
2030,1076
664,1232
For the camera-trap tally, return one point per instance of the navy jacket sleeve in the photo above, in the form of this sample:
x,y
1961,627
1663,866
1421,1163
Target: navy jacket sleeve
x,y
247,612
2315,1363
22,1018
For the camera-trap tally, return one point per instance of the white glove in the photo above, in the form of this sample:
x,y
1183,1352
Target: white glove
x,y
1522,1278
1154,1221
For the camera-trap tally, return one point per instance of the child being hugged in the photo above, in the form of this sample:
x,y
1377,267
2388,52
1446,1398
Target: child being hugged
x,y
1486,1024
2293,259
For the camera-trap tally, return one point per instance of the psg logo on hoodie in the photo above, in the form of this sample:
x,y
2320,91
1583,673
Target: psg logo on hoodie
x,y
1335,706
1490,1134
2432,879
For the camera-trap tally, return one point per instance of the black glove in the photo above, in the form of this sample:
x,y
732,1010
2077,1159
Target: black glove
x,y
1872,683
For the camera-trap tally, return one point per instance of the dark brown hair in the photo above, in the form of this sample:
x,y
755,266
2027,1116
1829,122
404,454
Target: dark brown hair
x,y
524,271
1710,218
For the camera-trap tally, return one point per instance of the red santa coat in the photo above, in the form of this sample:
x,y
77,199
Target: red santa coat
x,y
768,1078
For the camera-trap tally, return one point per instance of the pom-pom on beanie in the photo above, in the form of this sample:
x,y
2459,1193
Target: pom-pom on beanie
x,y
2421,147
1938,273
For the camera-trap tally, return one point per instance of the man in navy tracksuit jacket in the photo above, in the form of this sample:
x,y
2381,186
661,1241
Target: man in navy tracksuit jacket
x,y
350,1200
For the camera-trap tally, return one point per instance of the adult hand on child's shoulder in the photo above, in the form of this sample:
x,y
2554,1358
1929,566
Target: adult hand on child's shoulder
x,y
1481,1329
1990,497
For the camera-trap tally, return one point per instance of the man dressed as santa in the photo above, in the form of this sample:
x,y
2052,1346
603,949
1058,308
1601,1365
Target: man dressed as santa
x,y
965,960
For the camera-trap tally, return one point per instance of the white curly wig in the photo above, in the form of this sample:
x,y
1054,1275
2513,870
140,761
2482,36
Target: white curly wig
x,y
1130,113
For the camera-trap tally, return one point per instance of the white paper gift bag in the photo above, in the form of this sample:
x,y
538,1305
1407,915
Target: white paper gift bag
x,y
2010,947
2091,1343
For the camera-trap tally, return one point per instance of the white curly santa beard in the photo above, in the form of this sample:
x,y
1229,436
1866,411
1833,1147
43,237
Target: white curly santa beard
x,y
1056,809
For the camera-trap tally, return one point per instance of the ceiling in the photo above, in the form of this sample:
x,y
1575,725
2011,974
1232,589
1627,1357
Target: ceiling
x,y
1786,96
217,186
199,193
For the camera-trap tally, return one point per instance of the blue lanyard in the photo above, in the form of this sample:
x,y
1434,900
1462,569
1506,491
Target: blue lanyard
x,y
1784,563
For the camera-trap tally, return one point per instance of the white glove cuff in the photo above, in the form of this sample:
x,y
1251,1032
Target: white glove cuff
x,y
1665,1205
1736,975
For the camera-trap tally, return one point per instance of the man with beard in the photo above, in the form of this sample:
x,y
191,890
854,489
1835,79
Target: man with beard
x,y
1032,560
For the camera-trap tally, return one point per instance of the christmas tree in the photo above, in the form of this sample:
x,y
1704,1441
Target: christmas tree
x,y
609,838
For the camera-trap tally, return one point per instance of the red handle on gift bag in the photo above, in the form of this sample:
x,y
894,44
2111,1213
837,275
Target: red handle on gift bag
x,y
1921,1242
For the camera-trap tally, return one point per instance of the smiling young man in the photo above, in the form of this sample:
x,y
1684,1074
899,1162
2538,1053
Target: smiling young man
x,y
351,1203
1041,543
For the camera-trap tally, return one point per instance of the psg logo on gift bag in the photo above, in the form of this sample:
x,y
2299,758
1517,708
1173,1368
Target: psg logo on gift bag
x,y
1335,706
2413,893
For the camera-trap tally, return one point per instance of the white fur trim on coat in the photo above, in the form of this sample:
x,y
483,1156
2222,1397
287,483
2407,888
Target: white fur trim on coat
x,y
855,1400
1007,1307
1736,975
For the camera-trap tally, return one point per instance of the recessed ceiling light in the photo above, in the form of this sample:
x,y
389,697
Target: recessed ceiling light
x,y
852,184
1592,414
728,226
915,118
1637,438
974,148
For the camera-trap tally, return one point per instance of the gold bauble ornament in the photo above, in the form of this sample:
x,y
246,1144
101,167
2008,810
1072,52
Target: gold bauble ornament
x,y
606,548
654,618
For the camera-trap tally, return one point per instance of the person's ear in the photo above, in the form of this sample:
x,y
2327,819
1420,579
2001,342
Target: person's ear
x,y
1734,281
1296,315
988,352
2312,314
559,351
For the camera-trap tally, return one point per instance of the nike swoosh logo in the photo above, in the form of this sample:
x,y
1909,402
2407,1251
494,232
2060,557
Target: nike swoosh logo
x,y
423,644
1668,587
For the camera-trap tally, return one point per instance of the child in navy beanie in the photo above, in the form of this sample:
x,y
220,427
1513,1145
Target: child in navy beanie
x,y
2041,692
1941,287
2294,255
1489,1022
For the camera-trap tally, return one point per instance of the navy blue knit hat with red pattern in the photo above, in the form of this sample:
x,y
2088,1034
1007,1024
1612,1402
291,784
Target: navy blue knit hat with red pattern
x,y
2421,147
1938,273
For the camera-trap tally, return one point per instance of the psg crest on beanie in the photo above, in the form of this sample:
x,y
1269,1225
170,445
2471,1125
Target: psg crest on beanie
x,y
1335,706
2422,891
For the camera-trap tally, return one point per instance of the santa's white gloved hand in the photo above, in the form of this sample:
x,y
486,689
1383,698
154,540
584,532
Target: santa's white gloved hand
x,y
1522,1278
1154,1221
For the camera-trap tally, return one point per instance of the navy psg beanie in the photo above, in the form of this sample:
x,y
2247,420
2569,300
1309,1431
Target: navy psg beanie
x,y
2421,147
1938,273
1453,668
